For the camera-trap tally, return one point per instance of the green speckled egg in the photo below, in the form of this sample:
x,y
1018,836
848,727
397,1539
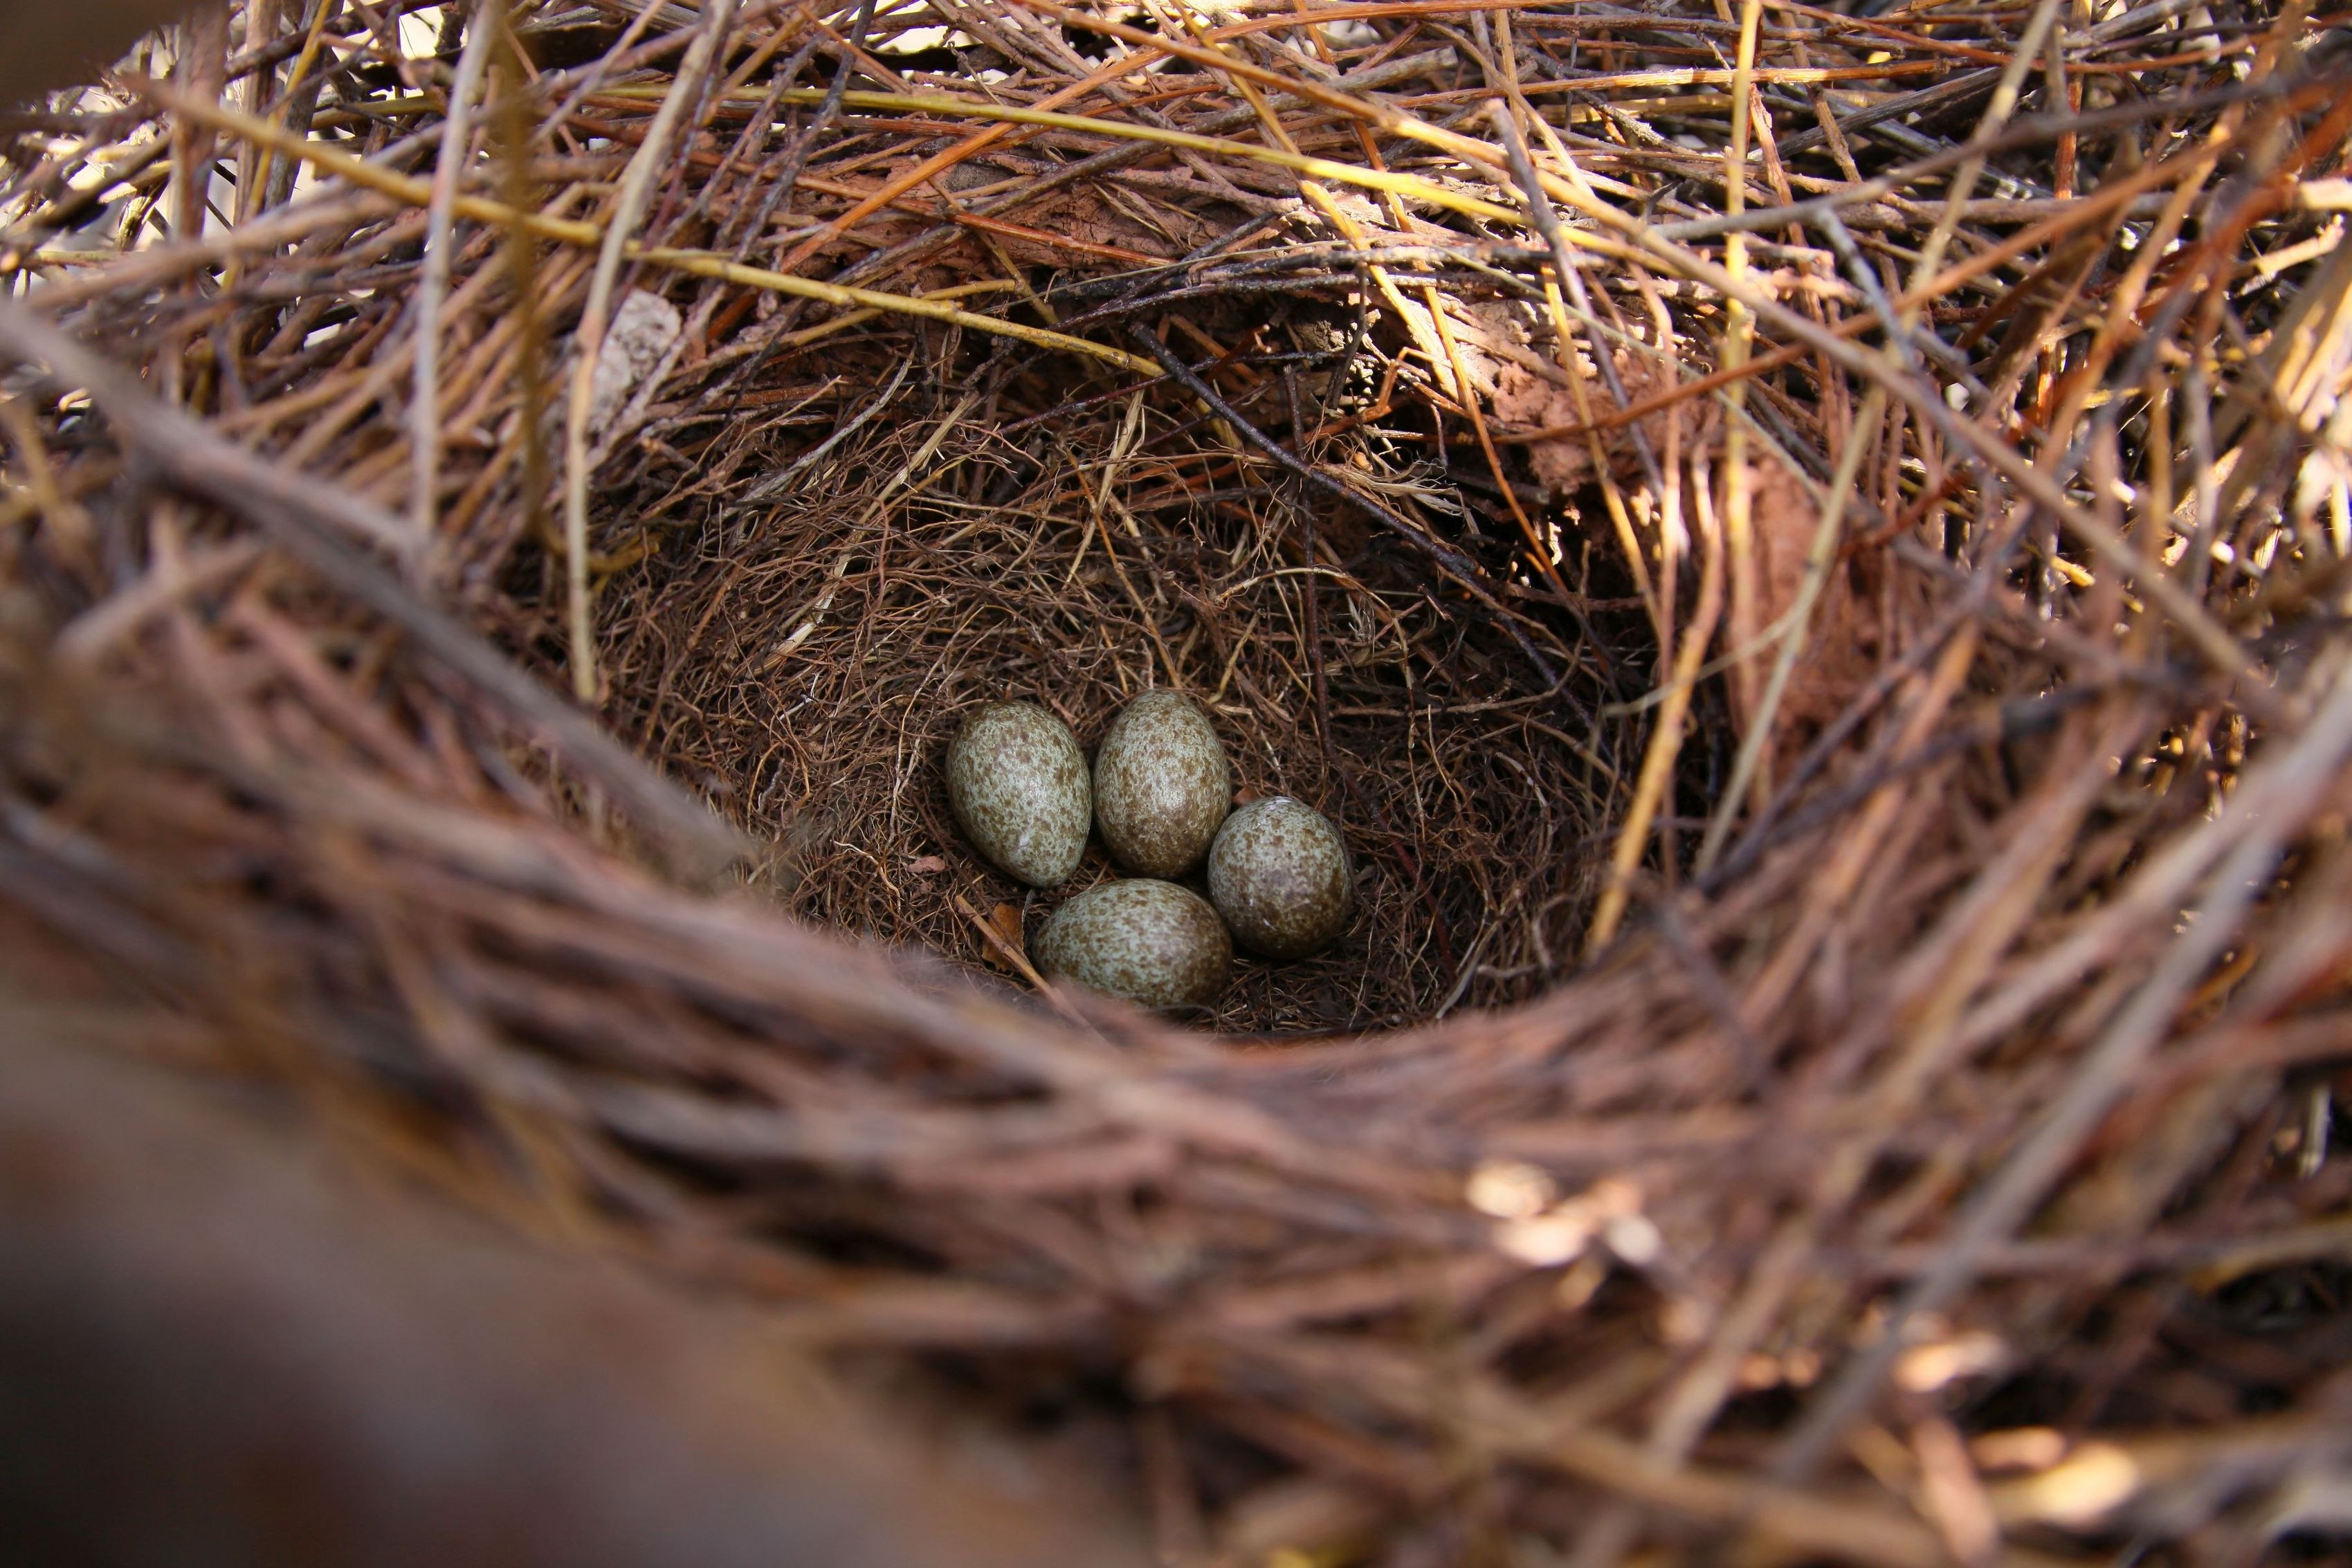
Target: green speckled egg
x,y
1161,785
1018,784
1279,875
1155,943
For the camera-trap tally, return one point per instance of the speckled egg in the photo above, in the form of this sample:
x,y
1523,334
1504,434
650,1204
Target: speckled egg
x,y
1279,875
1018,784
1161,785
1153,942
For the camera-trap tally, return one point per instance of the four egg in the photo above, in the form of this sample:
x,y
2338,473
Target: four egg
x,y
1160,794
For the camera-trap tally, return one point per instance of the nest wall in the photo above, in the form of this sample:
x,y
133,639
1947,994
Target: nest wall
x,y
1838,695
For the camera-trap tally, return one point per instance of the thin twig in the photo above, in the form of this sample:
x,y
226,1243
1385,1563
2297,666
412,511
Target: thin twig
x,y
433,281
628,207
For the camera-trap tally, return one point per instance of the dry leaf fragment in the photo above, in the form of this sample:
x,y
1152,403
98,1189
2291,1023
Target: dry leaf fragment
x,y
1004,926
1841,646
642,332
1524,400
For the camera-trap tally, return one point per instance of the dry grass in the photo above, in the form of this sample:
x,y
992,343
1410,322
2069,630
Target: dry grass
x,y
1838,683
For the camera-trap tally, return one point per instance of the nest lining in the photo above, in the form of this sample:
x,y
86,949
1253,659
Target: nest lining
x,y
809,662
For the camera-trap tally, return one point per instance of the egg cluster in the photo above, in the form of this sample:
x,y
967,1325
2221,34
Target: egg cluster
x,y
1160,796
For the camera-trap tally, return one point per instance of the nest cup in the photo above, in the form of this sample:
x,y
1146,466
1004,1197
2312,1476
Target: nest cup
x,y
843,641
1845,1016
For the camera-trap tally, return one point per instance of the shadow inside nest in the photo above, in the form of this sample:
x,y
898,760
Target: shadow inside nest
x,y
806,658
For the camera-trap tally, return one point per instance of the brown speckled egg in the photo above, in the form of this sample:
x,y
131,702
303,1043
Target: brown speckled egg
x,y
1279,875
1155,943
1161,785
1018,784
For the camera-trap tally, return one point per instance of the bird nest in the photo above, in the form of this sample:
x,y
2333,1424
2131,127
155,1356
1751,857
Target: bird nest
x,y
805,661
1804,553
